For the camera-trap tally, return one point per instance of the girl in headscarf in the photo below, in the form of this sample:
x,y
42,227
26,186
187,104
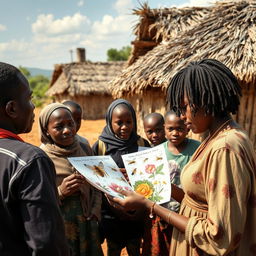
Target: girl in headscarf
x,y
80,203
117,138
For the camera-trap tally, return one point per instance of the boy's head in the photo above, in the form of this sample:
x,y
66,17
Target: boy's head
x,y
76,111
175,128
16,108
154,128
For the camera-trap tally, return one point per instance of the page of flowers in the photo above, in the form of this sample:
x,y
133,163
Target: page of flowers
x,y
102,172
149,175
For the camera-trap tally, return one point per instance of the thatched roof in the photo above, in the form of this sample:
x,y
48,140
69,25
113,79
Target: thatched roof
x,y
228,34
84,78
157,25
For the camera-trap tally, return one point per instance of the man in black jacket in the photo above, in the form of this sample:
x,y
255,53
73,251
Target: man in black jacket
x,y
30,219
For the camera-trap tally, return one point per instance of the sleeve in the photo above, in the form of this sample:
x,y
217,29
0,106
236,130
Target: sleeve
x,y
43,224
227,191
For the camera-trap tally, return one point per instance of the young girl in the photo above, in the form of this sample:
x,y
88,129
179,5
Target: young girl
x,y
80,202
120,137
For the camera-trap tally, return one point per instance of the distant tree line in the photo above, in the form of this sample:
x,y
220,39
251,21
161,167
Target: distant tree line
x,y
117,55
39,85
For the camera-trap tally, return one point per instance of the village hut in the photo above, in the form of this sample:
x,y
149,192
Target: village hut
x,y
227,33
161,25
86,83
155,27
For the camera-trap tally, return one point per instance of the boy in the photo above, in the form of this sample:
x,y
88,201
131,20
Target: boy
x,y
178,149
154,128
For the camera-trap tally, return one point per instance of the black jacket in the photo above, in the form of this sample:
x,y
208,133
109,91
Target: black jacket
x,y
30,219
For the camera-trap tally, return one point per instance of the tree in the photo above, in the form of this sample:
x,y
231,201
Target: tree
x,y
39,85
117,55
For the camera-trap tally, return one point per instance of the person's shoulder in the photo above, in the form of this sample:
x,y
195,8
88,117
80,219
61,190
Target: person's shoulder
x,y
22,152
82,139
194,143
143,142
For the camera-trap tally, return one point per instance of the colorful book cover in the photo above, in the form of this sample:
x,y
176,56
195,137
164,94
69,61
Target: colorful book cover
x,y
148,173
102,173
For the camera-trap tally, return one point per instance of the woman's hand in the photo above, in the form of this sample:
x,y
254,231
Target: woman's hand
x,y
71,184
131,202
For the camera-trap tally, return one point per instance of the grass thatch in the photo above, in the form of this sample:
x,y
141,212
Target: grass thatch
x,y
84,78
228,34
157,25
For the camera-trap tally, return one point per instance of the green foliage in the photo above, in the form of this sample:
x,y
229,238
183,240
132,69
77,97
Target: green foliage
x,y
39,85
117,55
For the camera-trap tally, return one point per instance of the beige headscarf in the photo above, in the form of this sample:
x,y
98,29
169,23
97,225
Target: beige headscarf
x,y
90,197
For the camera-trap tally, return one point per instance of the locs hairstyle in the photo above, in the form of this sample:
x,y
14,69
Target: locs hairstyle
x,y
208,84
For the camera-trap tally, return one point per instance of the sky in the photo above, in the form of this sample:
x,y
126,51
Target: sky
x,y
41,33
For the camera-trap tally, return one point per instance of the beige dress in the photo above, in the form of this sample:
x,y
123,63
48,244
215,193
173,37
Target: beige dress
x,y
220,198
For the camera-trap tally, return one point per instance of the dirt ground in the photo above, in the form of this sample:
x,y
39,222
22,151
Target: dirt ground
x,y
89,129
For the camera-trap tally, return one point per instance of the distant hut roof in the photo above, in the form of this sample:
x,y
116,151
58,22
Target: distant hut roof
x,y
228,34
157,25
84,78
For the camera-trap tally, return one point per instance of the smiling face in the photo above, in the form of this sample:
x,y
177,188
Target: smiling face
x,y
61,127
198,122
122,122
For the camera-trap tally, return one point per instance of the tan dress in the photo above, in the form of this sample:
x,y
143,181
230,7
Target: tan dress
x,y
220,198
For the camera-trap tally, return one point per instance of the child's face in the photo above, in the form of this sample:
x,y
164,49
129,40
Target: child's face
x,y
122,122
154,131
77,116
61,127
175,130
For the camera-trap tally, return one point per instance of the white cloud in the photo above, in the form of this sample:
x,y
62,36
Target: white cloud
x,y
2,27
123,6
14,45
45,24
80,3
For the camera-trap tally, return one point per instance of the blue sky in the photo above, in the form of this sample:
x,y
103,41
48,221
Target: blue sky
x,y
41,33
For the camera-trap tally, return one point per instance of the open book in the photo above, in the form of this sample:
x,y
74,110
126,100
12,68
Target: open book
x,y
147,170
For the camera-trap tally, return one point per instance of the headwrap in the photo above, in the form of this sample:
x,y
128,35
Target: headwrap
x,y
109,137
63,168
44,120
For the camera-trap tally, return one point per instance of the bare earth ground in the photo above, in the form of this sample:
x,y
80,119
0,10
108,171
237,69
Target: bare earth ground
x,y
89,129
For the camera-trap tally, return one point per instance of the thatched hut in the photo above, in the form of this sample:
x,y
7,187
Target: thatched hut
x,y
227,34
87,83
161,25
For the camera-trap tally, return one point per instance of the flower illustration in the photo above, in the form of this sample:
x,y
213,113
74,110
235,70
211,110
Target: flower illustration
x,y
150,168
144,188
115,187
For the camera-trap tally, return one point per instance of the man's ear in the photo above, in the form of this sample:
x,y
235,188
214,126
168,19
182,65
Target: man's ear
x,y
11,109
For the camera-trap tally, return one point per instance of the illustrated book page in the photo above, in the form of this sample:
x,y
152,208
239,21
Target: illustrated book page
x,y
148,173
101,172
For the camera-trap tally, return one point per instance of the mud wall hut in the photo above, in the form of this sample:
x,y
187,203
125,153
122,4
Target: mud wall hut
x,y
231,40
87,83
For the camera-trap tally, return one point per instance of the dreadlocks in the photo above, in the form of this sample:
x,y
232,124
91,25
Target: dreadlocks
x,y
208,84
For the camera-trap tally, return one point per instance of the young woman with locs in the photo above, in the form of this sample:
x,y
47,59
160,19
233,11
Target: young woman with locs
x,y
218,201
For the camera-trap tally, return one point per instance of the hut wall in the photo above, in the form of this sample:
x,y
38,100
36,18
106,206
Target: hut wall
x,y
94,106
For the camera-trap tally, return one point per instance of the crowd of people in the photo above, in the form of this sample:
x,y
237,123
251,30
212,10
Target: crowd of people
x,y
48,208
